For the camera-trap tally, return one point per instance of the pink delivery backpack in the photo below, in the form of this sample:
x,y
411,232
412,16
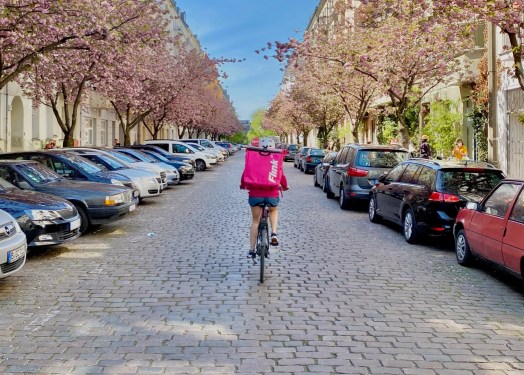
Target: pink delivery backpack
x,y
263,169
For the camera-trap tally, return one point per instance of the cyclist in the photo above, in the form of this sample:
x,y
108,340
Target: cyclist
x,y
257,198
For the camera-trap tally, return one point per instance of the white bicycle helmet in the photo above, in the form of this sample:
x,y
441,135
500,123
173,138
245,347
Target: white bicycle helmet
x,y
267,143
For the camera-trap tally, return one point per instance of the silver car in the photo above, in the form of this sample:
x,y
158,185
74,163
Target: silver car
x,y
13,245
145,181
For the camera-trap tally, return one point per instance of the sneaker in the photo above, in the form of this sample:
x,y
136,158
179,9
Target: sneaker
x,y
251,254
274,239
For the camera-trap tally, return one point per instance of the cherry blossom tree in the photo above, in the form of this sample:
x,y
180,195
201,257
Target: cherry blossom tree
x,y
399,49
31,29
70,75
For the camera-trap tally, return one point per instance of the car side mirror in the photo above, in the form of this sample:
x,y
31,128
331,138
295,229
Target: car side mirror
x,y
472,206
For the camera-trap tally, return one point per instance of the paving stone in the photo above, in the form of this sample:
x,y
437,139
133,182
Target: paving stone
x,y
342,295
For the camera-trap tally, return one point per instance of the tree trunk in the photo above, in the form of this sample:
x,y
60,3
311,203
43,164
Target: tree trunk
x,y
156,132
69,141
403,133
127,138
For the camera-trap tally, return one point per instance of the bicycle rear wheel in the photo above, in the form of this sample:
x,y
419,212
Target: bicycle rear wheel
x,y
263,246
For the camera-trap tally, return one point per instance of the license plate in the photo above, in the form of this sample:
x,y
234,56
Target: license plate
x,y
14,255
132,207
75,224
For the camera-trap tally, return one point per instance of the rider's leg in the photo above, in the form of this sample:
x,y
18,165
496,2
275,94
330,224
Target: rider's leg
x,y
273,218
256,212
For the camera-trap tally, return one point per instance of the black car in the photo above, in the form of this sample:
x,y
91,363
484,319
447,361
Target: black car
x,y
72,166
297,161
186,170
96,203
357,168
45,219
425,196
321,169
290,153
311,159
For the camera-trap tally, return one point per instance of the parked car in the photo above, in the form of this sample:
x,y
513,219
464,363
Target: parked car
x,y
71,166
96,203
228,146
319,174
224,151
291,151
172,175
145,181
492,229
45,219
299,155
208,145
13,245
357,168
213,151
129,162
202,160
425,196
311,159
186,171
169,156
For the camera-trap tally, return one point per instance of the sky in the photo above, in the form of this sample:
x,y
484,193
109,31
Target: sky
x,y
236,29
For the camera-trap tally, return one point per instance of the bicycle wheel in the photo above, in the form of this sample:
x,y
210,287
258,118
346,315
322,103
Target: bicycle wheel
x,y
263,247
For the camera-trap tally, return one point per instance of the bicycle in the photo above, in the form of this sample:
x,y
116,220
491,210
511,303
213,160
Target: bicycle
x,y
262,246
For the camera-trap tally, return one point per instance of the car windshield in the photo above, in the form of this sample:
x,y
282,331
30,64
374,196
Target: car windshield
x,y
126,158
206,144
6,185
83,164
139,155
198,147
156,156
37,173
459,181
380,158
113,163
316,152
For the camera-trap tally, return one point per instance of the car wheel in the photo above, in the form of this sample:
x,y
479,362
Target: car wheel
x,y
84,219
343,202
200,165
315,181
372,210
329,193
409,227
462,249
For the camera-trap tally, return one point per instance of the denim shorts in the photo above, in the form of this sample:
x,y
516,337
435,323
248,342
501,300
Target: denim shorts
x,y
259,201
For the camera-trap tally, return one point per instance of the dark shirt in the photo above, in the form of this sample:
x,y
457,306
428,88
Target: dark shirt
x,y
425,152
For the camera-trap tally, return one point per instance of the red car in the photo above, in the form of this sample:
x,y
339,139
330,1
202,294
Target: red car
x,y
493,229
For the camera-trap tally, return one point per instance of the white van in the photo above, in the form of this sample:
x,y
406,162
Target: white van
x,y
202,160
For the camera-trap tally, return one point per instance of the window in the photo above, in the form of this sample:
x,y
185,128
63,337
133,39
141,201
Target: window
x,y
63,169
498,203
408,177
163,146
103,133
90,131
7,174
518,210
380,159
425,177
394,175
341,157
316,152
350,156
457,181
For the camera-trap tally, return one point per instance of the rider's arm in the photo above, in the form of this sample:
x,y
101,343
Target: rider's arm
x,y
283,182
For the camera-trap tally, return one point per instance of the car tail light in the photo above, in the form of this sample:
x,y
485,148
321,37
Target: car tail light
x,y
356,172
441,197
309,159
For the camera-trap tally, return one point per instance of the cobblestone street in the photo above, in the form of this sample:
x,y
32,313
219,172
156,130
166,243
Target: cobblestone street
x,y
341,295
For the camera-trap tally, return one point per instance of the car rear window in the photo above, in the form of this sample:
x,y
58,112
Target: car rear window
x,y
458,181
318,152
380,158
292,147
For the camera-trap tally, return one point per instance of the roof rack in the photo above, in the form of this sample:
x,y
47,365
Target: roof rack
x,y
426,160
